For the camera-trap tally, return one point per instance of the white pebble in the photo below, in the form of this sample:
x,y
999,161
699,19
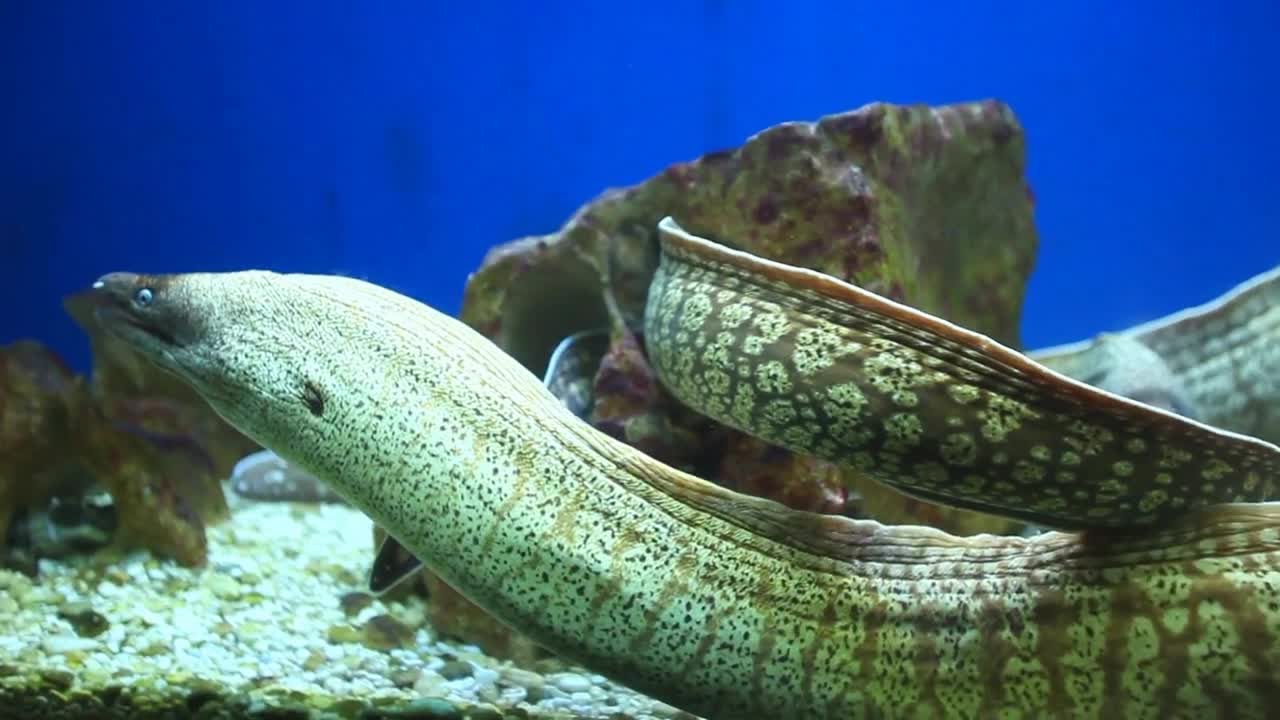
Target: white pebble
x,y
571,682
60,644
166,618
485,676
463,684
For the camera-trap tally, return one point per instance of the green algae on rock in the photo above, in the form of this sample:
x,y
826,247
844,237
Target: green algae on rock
x,y
924,205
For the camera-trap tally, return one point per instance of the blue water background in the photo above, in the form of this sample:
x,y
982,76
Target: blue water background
x,y
398,141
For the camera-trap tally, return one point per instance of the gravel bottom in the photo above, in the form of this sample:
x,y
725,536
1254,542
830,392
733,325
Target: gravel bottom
x,y
274,624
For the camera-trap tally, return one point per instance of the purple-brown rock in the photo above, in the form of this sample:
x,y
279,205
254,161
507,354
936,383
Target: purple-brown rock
x,y
41,402
143,436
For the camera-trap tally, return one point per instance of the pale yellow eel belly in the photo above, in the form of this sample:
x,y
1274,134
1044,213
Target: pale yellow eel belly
x,y
721,604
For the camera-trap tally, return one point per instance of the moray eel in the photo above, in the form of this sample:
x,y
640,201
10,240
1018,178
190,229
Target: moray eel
x,y
823,367
1221,359
725,605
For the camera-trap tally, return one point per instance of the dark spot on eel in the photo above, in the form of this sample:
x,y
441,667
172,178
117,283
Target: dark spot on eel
x,y
314,399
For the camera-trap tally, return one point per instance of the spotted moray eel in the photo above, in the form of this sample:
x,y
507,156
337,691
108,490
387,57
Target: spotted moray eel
x,y
1218,362
722,604
823,367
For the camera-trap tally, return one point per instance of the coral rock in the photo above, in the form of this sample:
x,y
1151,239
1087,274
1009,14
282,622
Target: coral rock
x,y
40,404
144,436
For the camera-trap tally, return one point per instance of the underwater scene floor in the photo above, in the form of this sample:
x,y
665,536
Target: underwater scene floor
x,y
274,627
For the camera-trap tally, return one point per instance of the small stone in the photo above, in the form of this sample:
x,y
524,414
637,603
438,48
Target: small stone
x,y
58,679
571,682
223,586
61,644
456,669
486,676
407,658
154,649
199,697
291,711
116,575
405,678
353,602
16,584
488,693
348,707
464,686
86,621
339,573
484,712
424,709
413,615
383,632
314,660
429,684
343,634
521,677
538,693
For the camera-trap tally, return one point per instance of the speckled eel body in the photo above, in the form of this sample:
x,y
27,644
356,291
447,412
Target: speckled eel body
x,y
736,607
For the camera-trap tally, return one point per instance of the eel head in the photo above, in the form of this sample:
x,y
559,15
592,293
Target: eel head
x,y
231,336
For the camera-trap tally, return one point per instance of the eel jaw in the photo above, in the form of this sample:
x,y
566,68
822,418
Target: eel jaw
x,y
148,329
119,322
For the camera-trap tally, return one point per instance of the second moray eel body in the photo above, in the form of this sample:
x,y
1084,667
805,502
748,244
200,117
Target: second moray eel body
x,y
725,605
826,368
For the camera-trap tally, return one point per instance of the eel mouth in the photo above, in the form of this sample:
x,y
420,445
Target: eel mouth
x,y
117,310
112,317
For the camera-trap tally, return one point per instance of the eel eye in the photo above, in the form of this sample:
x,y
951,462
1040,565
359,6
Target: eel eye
x,y
143,296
